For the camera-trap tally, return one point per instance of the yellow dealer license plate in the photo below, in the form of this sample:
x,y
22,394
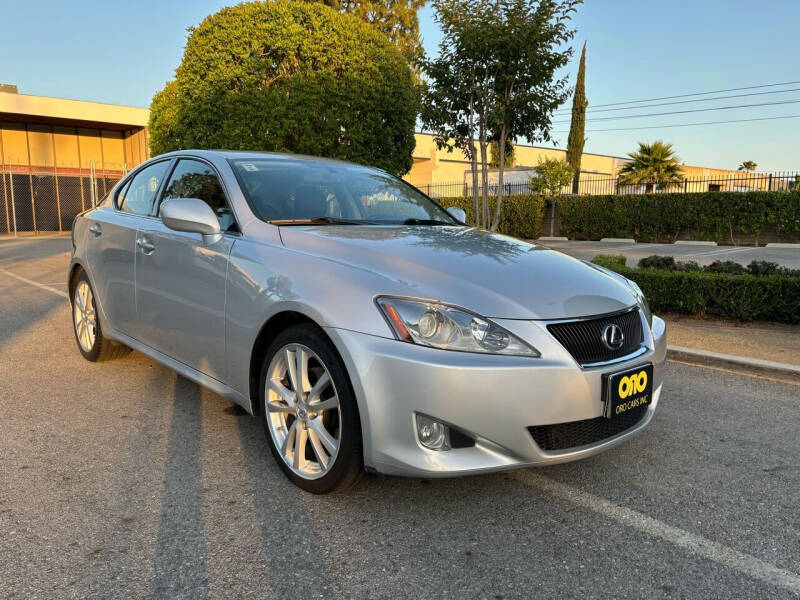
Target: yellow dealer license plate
x,y
627,390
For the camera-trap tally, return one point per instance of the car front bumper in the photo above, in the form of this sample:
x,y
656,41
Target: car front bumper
x,y
493,399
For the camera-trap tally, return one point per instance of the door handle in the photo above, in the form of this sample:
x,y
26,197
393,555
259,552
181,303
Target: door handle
x,y
145,246
96,229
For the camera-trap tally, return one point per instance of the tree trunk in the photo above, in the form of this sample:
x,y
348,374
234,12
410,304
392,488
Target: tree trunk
x,y
500,180
484,178
474,163
483,126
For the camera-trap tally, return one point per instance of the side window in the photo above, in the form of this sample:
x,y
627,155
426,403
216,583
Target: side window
x,y
137,198
195,179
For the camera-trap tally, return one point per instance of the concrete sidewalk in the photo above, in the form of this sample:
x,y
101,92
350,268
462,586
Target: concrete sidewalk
x,y
704,255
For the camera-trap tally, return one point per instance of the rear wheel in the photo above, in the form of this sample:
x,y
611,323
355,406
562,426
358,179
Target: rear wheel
x,y
309,411
91,342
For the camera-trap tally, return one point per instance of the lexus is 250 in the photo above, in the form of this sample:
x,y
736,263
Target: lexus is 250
x,y
364,324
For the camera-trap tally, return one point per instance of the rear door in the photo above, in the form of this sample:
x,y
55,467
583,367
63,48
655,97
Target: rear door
x,y
112,242
180,281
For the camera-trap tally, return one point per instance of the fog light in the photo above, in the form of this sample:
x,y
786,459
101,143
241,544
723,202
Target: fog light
x,y
432,434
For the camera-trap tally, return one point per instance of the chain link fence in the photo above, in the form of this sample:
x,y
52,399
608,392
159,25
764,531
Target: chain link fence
x,y
46,199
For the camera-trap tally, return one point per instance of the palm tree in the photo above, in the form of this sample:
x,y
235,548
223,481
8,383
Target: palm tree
x,y
654,165
748,165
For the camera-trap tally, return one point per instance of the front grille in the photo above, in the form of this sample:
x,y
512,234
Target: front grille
x,y
580,433
584,339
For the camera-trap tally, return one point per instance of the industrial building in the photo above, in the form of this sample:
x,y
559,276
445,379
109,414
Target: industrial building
x,y
58,156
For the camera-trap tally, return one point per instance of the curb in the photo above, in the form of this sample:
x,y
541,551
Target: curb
x,y
783,245
552,239
695,243
619,240
742,363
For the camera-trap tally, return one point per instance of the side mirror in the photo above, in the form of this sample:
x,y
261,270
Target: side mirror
x,y
193,216
458,214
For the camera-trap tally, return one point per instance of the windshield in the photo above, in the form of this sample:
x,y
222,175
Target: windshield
x,y
328,192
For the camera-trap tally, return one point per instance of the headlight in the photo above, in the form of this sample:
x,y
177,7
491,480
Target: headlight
x,y
449,328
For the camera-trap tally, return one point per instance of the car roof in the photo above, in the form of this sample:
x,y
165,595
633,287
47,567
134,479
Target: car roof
x,y
257,154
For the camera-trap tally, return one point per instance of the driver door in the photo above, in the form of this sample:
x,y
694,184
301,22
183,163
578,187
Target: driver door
x,y
180,281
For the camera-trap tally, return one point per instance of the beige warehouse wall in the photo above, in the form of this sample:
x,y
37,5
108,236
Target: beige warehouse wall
x,y
15,143
432,165
66,144
39,146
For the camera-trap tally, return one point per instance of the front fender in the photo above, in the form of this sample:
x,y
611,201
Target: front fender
x,y
265,279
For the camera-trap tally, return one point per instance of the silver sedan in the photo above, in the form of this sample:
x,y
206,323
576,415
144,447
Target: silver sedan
x,y
367,326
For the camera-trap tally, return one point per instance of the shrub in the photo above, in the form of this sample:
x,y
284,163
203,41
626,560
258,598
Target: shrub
x,y
656,262
787,272
718,216
762,267
726,266
290,77
745,297
688,265
610,261
521,217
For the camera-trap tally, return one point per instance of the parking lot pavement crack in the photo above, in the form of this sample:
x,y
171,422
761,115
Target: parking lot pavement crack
x,y
696,544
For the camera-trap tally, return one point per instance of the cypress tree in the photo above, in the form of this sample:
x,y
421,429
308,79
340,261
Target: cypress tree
x,y
576,128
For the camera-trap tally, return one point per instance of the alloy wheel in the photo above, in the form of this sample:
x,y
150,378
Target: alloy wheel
x,y
304,417
84,316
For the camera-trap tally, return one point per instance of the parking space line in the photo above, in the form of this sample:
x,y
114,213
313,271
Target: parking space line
x,y
34,283
721,251
631,246
696,544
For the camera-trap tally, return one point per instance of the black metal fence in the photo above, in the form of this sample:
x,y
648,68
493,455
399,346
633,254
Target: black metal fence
x,y
47,199
599,185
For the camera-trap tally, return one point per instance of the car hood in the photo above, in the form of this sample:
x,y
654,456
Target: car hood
x,y
493,275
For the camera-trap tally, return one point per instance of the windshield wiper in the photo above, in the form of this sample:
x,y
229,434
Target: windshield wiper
x,y
426,222
318,221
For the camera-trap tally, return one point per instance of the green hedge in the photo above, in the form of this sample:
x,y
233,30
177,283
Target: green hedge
x,y
744,297
708,216
521,216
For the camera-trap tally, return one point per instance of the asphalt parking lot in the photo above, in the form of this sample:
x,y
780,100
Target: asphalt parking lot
x,y
704,255
123,480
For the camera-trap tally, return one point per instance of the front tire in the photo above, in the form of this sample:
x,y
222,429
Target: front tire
x,y
309,411
94,346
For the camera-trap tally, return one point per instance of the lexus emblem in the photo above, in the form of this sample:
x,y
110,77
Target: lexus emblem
x,y
613,337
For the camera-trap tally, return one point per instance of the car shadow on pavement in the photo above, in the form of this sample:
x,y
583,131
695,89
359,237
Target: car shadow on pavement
x,y
20,312
296,567
179,561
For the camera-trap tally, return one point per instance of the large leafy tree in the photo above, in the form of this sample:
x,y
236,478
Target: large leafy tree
x,y
396,19
163,120
654,165
291,77
528,43
576,138
505,55
455,98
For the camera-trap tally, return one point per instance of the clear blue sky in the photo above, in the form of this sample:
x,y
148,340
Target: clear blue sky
x,y
123,52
